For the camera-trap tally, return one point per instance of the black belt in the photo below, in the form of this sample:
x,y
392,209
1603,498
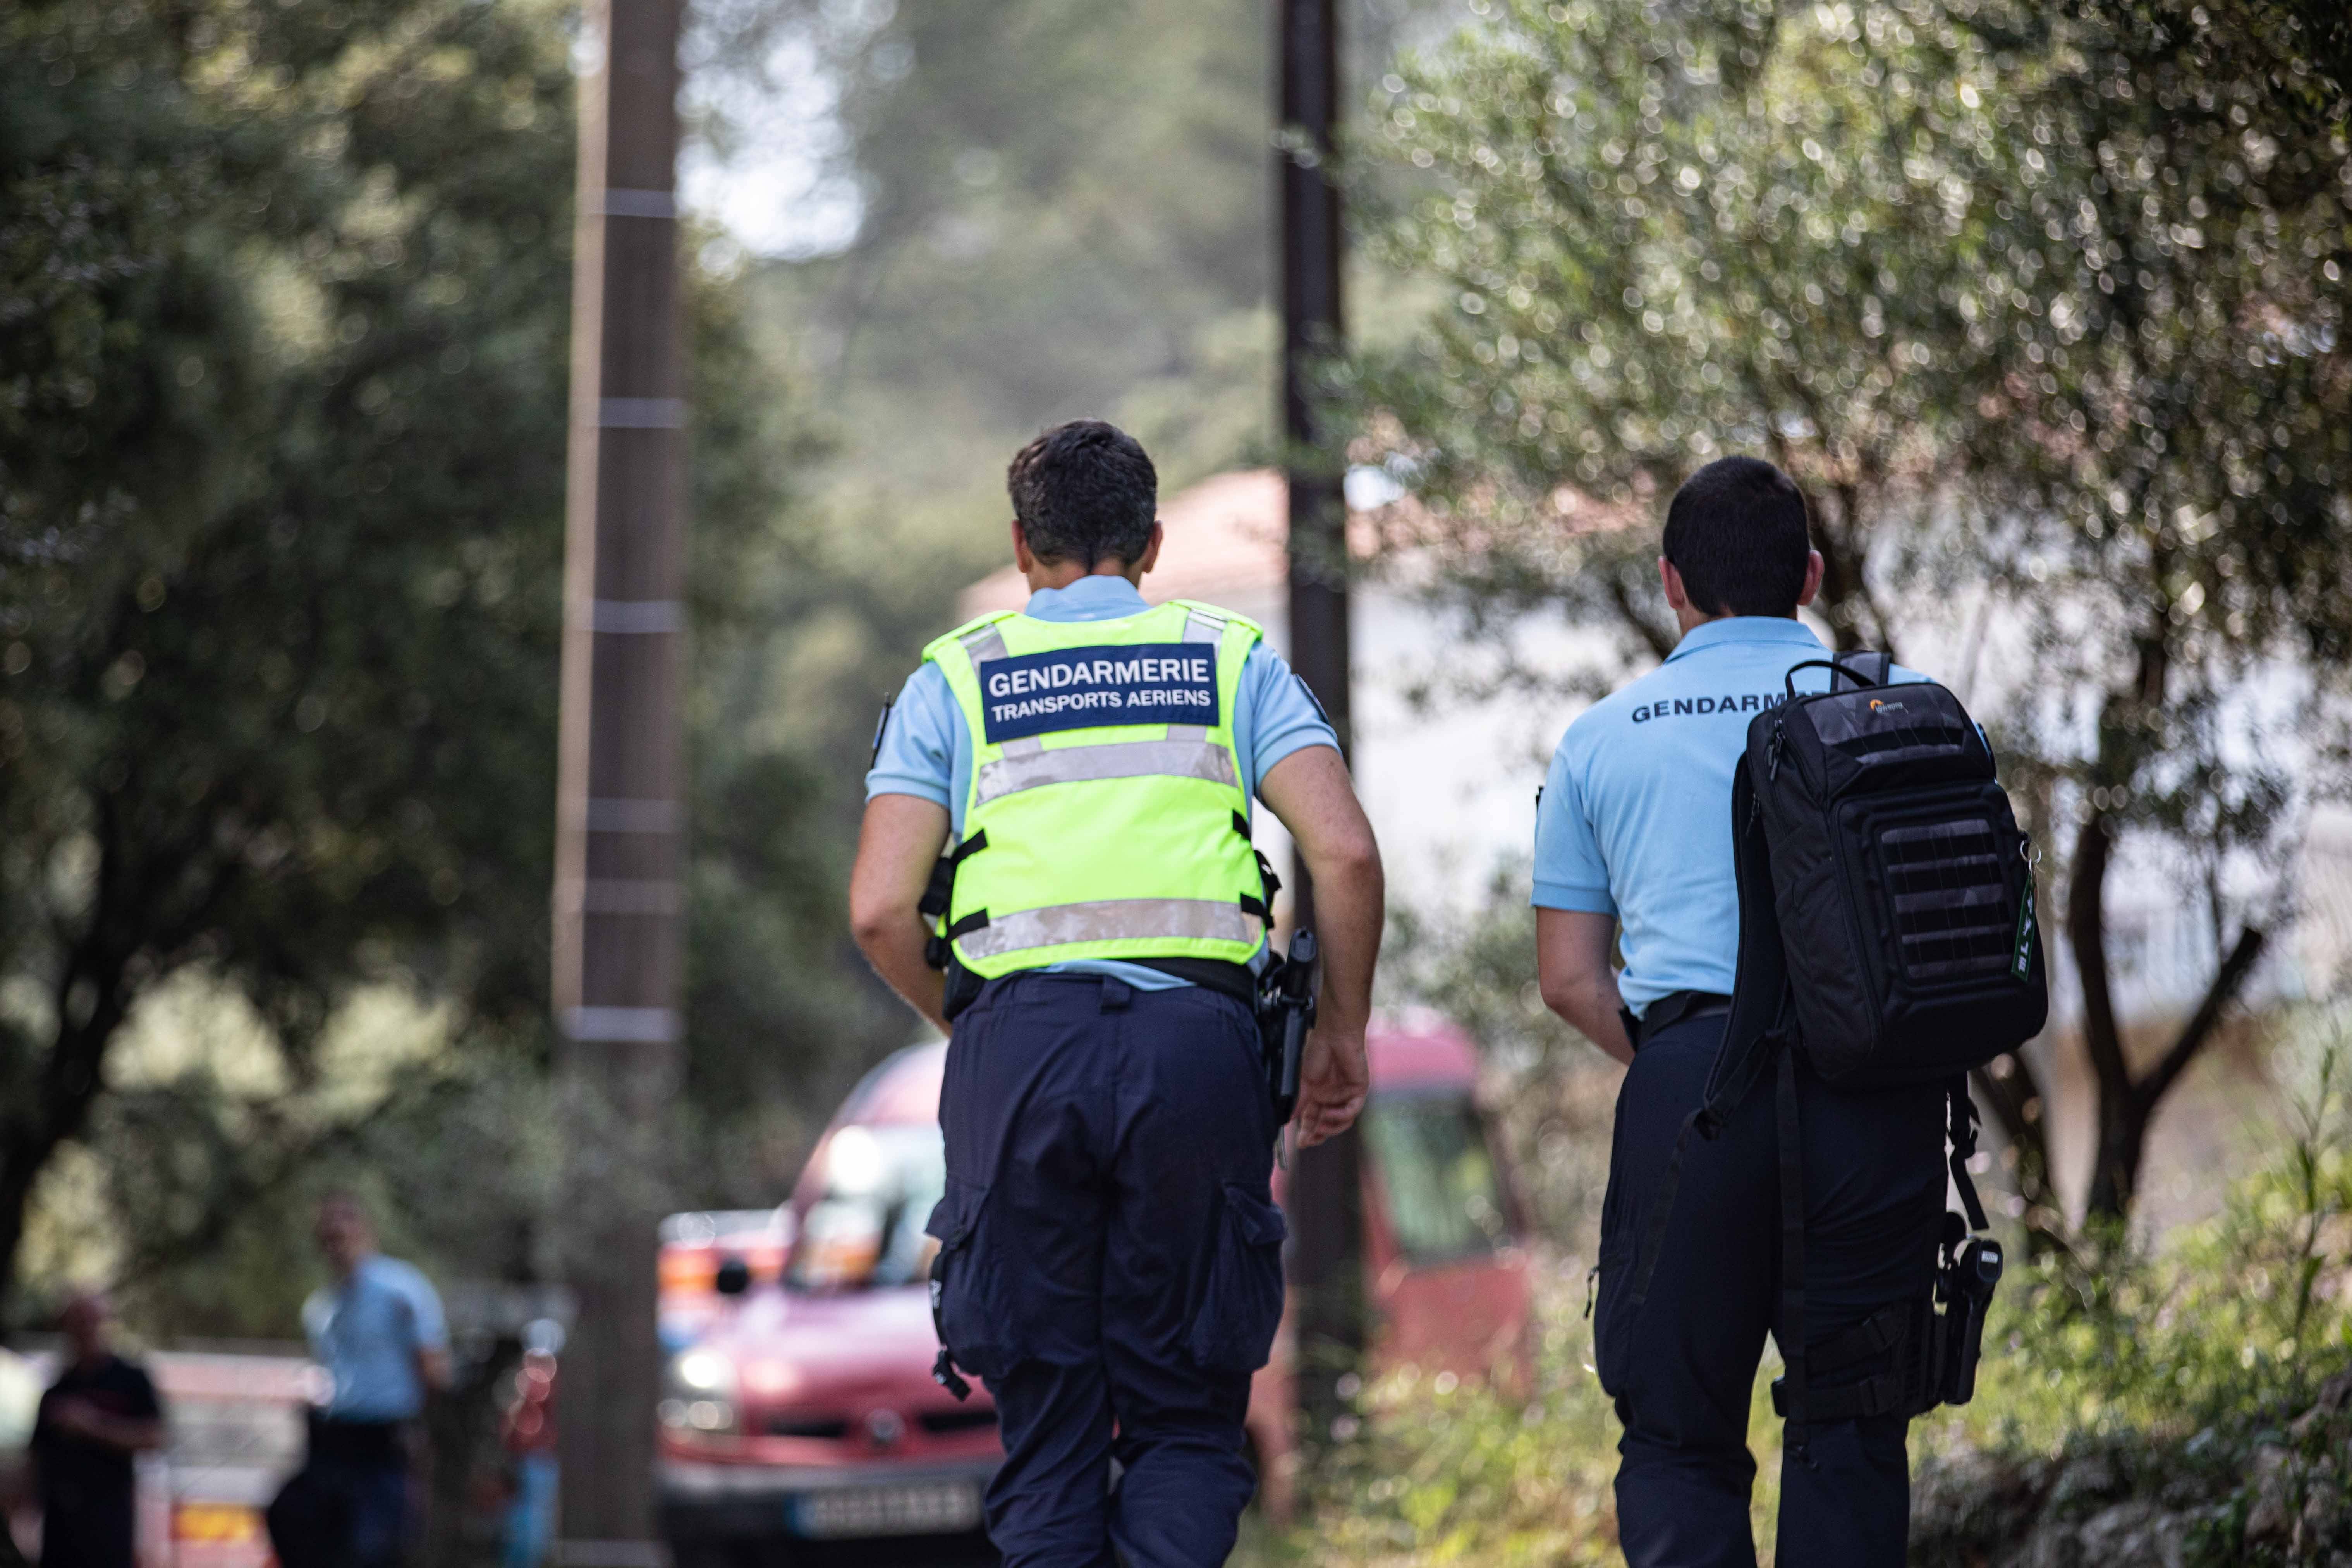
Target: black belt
x,y
1234,979
1673,1007
1209,973
336,1440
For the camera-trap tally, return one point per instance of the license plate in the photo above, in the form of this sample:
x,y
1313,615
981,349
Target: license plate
x,y
932,1508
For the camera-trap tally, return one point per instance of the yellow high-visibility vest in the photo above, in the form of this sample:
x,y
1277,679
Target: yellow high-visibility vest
x,y
1107,817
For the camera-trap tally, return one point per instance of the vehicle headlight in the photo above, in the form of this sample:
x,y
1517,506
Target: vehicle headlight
x,y
705,1372
699,1391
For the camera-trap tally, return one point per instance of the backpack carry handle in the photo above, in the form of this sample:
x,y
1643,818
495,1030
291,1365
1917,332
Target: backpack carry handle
x,y
1836,666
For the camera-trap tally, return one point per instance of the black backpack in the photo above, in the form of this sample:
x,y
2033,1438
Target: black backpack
x,y
1885,893
1886,935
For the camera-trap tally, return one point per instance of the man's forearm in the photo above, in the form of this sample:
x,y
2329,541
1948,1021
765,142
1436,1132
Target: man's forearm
x,y
898,847
895,951
1350,908
1310,791
1594,1009
1579,984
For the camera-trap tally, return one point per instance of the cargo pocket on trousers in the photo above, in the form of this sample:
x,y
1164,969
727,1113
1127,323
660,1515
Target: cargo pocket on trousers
x,y
1613,1313
964,1298
1234,1329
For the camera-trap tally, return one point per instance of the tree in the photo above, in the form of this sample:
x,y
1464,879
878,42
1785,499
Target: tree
x,y
282,362
1873,242
281,515
2161,320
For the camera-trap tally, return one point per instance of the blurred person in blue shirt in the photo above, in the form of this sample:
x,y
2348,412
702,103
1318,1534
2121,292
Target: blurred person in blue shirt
x,y
378,1331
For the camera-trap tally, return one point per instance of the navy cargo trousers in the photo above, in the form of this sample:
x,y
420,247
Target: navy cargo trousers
x,y
1110,1261
1681,1364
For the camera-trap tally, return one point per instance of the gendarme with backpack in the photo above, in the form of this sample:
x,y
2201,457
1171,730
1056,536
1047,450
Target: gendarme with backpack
x,y
1758,861
1888,934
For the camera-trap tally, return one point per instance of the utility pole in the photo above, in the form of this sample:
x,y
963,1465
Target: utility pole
x,y
620,806
1326,1203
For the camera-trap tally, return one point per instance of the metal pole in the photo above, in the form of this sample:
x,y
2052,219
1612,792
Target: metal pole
x,y
619,804
1327,1265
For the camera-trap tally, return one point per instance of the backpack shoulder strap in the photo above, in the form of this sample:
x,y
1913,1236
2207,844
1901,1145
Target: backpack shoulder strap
x,y
1763,1018
1761,1027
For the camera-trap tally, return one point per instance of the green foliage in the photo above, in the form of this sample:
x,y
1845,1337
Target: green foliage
x,y
2240,1317
1928,256
1065,210
781,1016
1452,1470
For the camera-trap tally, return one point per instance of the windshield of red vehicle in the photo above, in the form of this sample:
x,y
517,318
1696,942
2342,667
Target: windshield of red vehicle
x,y
1443,1198
866,1230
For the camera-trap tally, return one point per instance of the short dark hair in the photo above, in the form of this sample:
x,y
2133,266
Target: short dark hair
x,y
1085,491
1736,531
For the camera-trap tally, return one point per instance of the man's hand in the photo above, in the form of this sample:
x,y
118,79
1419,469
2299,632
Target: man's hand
x,y
1310,792
897,848
1334,1076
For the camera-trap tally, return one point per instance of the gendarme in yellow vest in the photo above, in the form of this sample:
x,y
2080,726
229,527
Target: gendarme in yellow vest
x,y
1107,817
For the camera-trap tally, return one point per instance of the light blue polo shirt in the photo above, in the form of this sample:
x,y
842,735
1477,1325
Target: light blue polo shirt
x,y
1635,816
366,1331
926,747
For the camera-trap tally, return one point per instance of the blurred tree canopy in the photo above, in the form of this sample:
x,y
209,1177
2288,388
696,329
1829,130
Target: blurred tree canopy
x,y
283,348
1065,208
2044,305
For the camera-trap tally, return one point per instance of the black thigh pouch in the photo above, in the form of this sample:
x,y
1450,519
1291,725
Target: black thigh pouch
x,y
1241,1305
968,1298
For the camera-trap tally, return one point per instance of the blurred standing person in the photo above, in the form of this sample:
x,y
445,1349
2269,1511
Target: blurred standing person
x,y
527,1431
100,1413
379,1332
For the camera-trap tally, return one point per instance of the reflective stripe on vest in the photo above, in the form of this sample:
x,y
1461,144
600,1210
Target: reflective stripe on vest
x,y
1115,920
1192,759
1103,839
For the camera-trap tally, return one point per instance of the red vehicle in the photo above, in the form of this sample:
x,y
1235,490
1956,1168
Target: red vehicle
x,y
798,1407
1444,1274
